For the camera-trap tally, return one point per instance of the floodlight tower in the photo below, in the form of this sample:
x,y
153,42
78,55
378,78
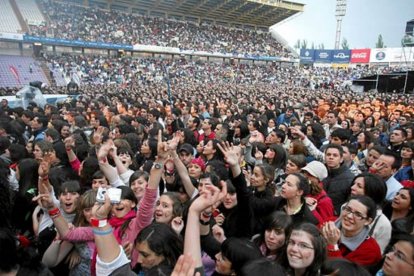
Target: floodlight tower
x,y
339,14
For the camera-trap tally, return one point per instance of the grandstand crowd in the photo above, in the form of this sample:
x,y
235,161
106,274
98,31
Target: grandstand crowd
x,y
69,21
182,167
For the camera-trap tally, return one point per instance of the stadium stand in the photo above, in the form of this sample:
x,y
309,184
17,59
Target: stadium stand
x,y
30,12
16,71
9,22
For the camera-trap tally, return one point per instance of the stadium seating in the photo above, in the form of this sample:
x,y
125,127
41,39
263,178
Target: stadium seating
x,y
30,12
9,22
89,24
15,71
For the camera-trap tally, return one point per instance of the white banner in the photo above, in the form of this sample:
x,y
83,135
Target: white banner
x,y
11,36
400,55
153,48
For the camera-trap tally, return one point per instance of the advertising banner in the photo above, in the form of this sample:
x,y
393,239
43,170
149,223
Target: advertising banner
x,y
341,56
323,56
306,55
11,36
360,55
380,55
75,43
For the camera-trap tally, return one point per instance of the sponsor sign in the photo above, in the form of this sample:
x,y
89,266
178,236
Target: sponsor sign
x,y
380,55
341,56
323,56
307,55
75,43
360,55
11,36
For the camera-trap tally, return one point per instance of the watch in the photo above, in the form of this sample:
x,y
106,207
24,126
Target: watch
x,y
157,165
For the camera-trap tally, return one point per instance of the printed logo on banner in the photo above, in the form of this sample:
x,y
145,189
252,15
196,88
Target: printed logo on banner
x,y
380,56
323,55
341,56
359,55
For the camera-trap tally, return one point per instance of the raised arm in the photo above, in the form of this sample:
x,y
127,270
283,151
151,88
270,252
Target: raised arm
x,y
181,169
73,159
312,149
110,172
192,233
147,204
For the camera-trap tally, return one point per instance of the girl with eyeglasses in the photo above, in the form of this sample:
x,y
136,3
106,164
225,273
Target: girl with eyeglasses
x,y
305,252
349,238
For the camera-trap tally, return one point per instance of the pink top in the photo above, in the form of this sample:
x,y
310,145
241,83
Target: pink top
x,y
143,218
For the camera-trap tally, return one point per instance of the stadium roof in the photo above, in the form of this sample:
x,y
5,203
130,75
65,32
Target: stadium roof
x,y
263,13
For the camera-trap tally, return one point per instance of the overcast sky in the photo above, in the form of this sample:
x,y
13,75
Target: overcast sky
x,y
363,22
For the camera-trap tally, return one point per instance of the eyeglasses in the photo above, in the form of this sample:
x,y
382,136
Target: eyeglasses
x,y
399,255
348,210
301,245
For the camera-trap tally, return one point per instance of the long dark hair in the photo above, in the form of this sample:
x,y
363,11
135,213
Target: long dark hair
x,y
163,241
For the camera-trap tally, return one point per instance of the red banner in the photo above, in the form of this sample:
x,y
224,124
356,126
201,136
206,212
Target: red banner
x,y
15,73
360,55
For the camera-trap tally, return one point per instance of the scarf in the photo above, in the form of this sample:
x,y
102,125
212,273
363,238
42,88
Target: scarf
x,y
116,224
354,242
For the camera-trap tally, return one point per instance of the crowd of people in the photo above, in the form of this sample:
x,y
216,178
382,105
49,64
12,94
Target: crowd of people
x,y
181,167
69,21
284,175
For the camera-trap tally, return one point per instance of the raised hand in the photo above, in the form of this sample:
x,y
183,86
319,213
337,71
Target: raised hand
x,y
101,211
45,164
45,200
297,132
162,147
98,135
173,143
177,224
209,197
69,142
230,154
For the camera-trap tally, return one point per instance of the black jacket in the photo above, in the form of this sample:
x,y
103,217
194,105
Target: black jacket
x,y
304,214
338,186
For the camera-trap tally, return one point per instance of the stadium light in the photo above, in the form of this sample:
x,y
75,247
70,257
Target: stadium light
x,y
340,12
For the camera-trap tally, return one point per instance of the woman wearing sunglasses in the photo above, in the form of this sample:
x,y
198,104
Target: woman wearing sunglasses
x,y
349,238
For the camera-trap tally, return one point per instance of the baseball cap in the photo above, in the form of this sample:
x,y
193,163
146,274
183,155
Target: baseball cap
x,y
187,148
316,169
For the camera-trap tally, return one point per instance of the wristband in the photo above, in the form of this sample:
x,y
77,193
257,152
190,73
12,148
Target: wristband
x,y
45,178
99,222
333,247
102,232
68,149
202,222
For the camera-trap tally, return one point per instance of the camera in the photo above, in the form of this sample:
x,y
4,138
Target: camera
x,y
113,193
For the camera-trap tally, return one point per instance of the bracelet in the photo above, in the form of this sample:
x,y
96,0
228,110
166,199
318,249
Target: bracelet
x,y
102,232
202,222
69,149
54,213
45,178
